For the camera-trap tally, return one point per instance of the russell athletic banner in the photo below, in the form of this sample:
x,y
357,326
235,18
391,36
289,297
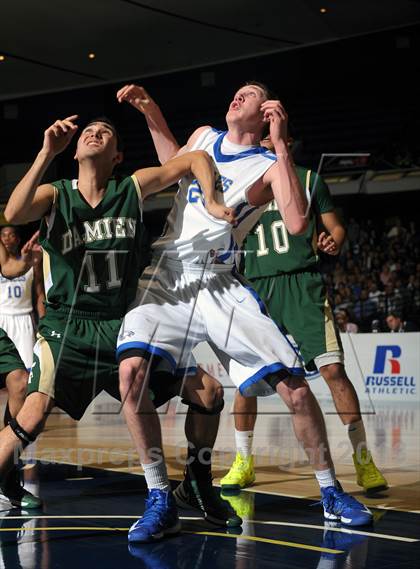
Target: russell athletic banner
x,y
382,367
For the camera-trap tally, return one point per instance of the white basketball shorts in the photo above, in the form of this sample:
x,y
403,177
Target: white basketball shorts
x,y
179,305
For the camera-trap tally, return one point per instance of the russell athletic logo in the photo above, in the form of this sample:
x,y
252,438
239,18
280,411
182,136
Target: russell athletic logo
x,y
388,375
382,353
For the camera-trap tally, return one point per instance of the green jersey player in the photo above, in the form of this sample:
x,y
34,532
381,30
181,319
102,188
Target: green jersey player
x,y
283,270
91,234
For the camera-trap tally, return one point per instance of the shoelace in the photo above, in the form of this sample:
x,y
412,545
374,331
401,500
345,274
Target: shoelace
x,y
370,470
239,463
341,500
337,501
154,508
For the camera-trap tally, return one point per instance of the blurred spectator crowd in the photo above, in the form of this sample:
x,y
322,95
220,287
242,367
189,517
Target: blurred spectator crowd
x,y
374,284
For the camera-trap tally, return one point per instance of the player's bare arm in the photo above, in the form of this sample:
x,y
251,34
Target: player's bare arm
x,y
33,252
165,143
331,240
282,177
30,200
200,165
39,290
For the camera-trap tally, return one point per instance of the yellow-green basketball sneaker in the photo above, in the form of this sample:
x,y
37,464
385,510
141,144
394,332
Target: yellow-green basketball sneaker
x,y
240,475
368,476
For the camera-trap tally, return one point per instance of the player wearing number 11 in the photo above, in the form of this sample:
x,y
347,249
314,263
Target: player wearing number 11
x,y
92,239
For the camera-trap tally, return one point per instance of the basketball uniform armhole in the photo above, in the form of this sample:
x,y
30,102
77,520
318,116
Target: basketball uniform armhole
x,y
49,219
55,196
200,139
139,195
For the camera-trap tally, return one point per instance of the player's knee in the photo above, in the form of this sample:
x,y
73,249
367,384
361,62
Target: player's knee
x,y
300,398
213,394
300,394
333,372
132,378
17,383
211,400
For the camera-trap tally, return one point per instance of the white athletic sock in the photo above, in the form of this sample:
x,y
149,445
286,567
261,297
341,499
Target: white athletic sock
x,y
243,441
357,435
156,476
325,477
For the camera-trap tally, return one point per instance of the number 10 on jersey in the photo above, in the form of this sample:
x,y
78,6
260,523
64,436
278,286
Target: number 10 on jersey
x,y
279,236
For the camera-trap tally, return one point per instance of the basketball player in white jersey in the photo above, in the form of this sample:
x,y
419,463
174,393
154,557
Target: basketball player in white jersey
x,y
16,307
191,293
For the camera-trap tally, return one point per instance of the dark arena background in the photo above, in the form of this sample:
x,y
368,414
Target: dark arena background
x,y
347,74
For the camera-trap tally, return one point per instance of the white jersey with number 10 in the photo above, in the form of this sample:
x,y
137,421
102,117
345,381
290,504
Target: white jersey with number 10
x,y
16,294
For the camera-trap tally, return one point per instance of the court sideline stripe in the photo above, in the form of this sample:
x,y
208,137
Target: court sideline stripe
x,y
260,522
210,533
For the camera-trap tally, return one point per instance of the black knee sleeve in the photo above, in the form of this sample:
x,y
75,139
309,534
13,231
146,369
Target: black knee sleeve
x,y
216,410
21,434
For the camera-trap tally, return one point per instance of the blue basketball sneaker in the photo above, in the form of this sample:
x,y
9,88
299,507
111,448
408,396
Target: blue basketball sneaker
x,y
160,518
340,506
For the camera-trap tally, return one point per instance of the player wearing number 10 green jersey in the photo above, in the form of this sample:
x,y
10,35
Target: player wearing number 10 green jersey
x,y
283,271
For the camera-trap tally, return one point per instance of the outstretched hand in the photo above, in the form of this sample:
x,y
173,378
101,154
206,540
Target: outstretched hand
x,y
327,245
58,136
139,98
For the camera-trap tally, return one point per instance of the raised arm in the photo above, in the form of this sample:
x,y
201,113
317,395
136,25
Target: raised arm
x,y
282,177
165,143
30,201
